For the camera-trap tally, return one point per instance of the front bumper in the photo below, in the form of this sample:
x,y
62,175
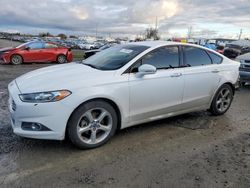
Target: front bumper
x,y
3,60
53,115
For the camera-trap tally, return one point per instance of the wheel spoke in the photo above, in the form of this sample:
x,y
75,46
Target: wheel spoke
x,y
227,101
105,128
89,116
102,116
84,129
225,95
93,136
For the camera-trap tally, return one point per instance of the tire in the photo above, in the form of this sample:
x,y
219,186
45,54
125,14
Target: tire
x,y
222,100
61,59
16,59
242,83
92,124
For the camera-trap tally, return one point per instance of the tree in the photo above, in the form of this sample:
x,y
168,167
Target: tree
x,y
62,36
72,36
44,34
152,33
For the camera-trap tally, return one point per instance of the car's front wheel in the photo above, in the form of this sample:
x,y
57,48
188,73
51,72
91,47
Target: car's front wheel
x,y
16,59
222,100
92,124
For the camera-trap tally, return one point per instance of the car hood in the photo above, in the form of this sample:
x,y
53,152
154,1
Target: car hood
x,y
244,56
57,77
7,49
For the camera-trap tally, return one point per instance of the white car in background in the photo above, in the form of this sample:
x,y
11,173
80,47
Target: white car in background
x,y
120,87
86,46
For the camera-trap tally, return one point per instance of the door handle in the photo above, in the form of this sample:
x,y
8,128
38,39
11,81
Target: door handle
x,y
215,71
176,75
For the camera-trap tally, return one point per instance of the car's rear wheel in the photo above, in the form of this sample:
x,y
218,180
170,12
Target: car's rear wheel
x,y
16,59
92,124
61,59
222,100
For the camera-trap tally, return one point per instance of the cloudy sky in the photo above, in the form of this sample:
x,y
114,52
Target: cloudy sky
x,y
216,18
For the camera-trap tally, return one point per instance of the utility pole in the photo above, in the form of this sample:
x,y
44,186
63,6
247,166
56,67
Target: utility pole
x,y
240,34
96,30
156,22
189,34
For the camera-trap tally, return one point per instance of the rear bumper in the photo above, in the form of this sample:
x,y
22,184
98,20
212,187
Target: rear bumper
x,y
69,57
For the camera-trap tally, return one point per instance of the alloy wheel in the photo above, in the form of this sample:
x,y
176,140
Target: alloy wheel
x,y
94,126
223,100
16,60
61,59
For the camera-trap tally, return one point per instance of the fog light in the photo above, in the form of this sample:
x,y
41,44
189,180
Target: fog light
x,y
32,126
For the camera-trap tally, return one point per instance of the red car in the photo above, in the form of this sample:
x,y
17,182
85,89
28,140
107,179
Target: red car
x,y
35,51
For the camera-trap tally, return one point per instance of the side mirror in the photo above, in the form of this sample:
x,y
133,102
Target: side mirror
x,y
146,69
27,48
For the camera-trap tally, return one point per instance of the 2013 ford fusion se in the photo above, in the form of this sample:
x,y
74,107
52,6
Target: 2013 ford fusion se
x,y
119,87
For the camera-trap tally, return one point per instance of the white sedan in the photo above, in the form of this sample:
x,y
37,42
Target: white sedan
x,y
120,87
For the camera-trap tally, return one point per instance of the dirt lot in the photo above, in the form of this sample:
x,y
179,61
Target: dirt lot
x,y
192,150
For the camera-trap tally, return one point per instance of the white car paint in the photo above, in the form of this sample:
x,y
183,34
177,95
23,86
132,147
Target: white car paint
x,y
139,99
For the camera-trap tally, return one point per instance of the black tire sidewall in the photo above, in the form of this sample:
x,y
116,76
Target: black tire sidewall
x,y
213,107
72,123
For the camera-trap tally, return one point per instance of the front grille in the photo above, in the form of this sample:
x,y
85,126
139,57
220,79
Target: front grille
x,y
247,66
247,61
13,105
244,70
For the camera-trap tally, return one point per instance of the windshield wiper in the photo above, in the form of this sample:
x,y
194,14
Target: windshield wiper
x,y
90,65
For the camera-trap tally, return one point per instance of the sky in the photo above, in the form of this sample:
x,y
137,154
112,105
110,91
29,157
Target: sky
x,y
207,18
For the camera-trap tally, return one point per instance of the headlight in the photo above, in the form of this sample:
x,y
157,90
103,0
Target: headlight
x,y
48,96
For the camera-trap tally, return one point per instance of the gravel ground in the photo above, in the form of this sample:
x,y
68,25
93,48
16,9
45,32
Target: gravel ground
x,y
192,150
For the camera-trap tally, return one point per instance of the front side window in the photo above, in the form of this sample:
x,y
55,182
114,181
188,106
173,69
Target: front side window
x,y
196,56
162,58
36,45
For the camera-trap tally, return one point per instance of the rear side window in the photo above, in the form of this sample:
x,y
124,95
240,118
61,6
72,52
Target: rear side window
x,y
196,56
215,58
164,57
49,45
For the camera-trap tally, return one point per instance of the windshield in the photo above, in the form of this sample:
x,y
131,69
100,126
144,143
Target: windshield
x,y
115,57
233,46
24,44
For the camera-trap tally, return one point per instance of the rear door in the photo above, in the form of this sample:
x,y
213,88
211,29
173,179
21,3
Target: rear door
x,y
154,96
50,52
201,77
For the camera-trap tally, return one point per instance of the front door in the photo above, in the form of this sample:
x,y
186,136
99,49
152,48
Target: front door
x,y
155,96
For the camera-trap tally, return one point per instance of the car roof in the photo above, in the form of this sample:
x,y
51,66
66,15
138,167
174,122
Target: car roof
x,y
153,43
161,43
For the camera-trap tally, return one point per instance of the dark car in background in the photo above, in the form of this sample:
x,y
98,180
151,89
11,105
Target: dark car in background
x,y
232,50
244,68
89,53
236,48
35,51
